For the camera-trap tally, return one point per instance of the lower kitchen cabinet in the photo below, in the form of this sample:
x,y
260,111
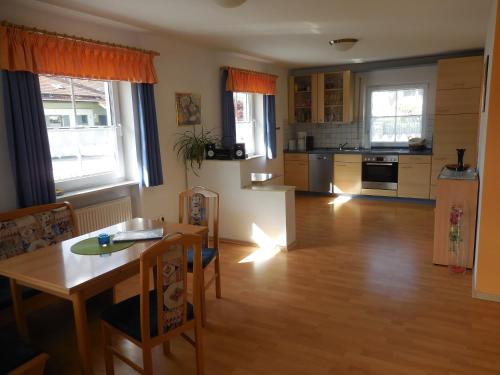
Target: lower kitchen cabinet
x,y
347,174
414,176
297,170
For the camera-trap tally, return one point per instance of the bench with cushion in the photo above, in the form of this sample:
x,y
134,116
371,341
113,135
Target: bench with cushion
x,y
26,230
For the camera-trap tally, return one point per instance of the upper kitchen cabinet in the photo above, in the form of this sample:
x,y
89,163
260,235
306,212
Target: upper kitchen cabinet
x,y
459,73
303,99
335,97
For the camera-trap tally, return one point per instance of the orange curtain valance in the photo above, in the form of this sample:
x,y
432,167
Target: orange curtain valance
x,y
239,80
23,50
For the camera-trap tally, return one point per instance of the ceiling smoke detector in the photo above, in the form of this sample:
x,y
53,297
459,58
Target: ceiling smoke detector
x,y
343,44
229,3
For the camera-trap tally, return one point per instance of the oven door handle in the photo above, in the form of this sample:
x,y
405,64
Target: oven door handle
x,y
384,164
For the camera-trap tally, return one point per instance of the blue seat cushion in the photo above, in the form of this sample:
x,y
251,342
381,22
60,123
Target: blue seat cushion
x,y
125,316
6,297
14,353
207,255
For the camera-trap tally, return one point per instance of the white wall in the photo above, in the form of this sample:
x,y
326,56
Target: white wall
x,y
425,74
483,124
182,67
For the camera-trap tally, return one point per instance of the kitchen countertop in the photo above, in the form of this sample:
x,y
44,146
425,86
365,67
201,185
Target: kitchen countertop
x,y
398,151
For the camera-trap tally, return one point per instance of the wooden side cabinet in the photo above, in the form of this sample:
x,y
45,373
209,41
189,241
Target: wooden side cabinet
x,y
347,174
414,175
461,193
297,170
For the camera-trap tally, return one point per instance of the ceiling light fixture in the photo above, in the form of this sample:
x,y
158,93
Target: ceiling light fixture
x,y
229,3
343,44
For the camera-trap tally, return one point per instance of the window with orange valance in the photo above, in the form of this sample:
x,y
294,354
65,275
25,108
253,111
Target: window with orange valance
x,y
40,53
239,80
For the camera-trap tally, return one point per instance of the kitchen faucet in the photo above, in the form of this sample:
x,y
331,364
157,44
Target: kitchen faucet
x,y
342,145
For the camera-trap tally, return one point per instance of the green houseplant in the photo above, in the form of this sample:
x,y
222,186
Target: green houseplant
x,y
190,147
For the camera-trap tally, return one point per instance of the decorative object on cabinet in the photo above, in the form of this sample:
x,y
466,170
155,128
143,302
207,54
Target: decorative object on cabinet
x,y
460,159
416,144
457,255
188,107
191,147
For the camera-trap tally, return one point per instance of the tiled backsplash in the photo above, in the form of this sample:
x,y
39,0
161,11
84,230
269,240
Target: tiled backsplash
x,y
331,135
327,135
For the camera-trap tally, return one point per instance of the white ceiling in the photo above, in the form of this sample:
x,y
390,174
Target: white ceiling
x,y
296,32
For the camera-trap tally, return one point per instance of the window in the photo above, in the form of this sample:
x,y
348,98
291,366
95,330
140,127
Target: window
x,y
249,116
395,114
83,135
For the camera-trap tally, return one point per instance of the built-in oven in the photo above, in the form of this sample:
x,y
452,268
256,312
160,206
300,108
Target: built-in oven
x,y
380,172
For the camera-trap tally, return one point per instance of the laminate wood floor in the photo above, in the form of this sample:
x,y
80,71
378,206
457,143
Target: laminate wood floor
x,y
358,295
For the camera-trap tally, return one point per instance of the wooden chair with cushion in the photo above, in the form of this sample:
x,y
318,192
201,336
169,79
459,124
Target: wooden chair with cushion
x,y
156,316
29,229
200,206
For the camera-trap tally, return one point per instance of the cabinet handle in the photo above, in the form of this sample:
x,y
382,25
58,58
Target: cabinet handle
x,y
405,167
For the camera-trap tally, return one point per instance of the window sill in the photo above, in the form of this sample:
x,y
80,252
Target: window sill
x,y
94,190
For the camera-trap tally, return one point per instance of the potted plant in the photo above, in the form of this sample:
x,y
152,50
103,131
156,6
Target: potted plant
x,y
190,147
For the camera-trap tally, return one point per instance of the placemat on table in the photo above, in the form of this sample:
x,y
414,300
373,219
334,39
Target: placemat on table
x,y
90,246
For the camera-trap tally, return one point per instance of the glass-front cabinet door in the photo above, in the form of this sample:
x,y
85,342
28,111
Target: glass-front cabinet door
x,y
303,99
335,91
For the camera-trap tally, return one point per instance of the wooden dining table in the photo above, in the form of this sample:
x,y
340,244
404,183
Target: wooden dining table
x,y
59,272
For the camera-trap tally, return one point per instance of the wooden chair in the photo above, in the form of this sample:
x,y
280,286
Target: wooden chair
x,y
28,229
200,206
156,316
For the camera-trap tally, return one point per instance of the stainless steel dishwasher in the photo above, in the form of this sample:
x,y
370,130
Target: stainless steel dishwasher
x,y
320,173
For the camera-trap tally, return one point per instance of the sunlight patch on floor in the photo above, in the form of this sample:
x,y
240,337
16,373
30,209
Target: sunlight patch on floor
x,y
267,247
340,200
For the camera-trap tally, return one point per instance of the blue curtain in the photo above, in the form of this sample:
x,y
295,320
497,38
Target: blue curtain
x,y
228,118
28,139
270,126
152,173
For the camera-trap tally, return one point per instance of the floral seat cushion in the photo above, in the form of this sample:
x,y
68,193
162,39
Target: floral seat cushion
x,y
32,232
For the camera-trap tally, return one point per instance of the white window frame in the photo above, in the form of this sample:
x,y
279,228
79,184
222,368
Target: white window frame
x,y
256,118
108,178
368,110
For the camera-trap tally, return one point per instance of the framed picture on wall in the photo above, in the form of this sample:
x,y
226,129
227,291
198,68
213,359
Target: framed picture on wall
x,y
188,109
485,82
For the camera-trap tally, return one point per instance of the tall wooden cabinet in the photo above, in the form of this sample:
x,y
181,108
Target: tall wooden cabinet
x,y
321,98
457,113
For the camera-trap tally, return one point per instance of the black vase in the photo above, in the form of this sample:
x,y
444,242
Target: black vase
x,y
460,156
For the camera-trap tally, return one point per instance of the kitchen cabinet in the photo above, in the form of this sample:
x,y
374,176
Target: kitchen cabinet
x,y
297,170
457,113
414,174
464,72
449,102
303,99
335,97
347,174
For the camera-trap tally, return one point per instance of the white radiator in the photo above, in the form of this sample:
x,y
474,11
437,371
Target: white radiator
x,y
103,215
